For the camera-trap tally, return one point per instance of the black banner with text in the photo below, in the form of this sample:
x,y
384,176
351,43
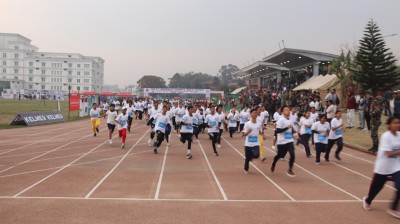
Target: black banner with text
x,y
38,118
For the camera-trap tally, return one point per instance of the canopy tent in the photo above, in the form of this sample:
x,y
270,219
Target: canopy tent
x,y
238,90
124,95
107,94
89,93
322,84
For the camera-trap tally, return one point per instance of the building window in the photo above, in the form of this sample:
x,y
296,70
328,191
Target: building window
x,y
43,64
78,65
4,55
86,65
16,71
69,72
30,71
30,79
4,63
70,65
78,88
43,72
30,87
15,63
86,80
16,47
43,79
15,55
86,88
31,63
4,70
69,80
43,86
78,73
78,81
86,73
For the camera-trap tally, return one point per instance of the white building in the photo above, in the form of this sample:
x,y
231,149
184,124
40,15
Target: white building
x,y
23,67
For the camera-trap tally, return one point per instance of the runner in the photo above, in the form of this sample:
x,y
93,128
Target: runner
x,y
387,166
106,106
320,130
244,117
201,120
252,129
173,111
160,126
95,118
284,129
212,121
305,124
111,115
277,116
152,121
122,121
168,128
335,135
179,113
232,118
117,104
261,120
140,110
130,111
187,130
221,124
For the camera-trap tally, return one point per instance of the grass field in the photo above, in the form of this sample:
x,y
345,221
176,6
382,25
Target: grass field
x,y
10,108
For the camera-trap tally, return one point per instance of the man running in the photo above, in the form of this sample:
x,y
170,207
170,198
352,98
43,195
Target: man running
x,y
252,129
111,115
187,130
122,121
212,121
95,118
162,121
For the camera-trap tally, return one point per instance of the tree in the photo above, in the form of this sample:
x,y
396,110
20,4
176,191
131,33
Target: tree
x,y
375,65
226,73
150,81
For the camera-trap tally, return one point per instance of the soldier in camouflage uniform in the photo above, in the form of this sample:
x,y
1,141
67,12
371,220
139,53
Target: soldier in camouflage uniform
x,y
376,111
380,101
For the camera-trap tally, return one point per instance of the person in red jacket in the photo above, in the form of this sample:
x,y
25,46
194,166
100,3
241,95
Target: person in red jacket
x,y
351,107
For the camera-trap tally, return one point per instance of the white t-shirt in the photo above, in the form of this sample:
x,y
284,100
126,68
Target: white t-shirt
x,y
232,119
179,113
303,122
314,117
321,138
95,113
140,106
161,123
221,117
212,120
252,139
130,111
383,164
111,115
105,106
123,119
188,126
277,116
117,104
287,136
293,119
330,112
311,104
201,118
244,117
338,133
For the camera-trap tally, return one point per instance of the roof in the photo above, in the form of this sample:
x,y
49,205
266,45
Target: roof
x,y
316,55
260,66
16,35
238,90
316,82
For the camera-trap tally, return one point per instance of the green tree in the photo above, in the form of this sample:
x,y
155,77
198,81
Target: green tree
x,y
150,81
226,73
375,65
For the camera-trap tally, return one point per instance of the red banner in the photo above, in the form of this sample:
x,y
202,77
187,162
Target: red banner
x,y
74,103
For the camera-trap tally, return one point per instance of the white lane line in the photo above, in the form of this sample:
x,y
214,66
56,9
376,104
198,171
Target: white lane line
x,y
323,180
76,164
115,167
43,140
213,173
59,170
262,173
190,200
160,178
43,154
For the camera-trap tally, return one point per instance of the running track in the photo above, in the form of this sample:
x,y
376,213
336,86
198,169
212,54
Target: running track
x,y
62,174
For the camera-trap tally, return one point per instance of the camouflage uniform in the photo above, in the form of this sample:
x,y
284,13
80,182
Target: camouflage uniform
x,y
375,123
380,102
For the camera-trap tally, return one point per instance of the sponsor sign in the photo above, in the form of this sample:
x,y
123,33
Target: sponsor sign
x,y
74,103
38,118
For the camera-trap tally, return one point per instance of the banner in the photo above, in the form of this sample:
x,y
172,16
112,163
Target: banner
x,y
74,103
37,118
148,91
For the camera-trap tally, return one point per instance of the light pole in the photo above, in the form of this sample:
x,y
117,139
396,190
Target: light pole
x,y
69,100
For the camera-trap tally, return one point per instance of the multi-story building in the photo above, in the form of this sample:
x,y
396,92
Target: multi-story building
x,y
22,66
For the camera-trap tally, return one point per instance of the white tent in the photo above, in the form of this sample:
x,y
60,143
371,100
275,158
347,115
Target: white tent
x,y
316,83
237,91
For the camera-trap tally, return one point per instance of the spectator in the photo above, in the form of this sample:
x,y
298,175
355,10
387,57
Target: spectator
x,y
351,106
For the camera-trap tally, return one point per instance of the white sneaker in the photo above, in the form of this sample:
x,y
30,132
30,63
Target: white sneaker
x,y
246,172
149,141
122,145
273,148
168,144
394,213
110,142
218,146
366,206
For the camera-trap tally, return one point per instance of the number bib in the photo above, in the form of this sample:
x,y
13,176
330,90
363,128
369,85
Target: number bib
x,y
162,125
180,115
130,113
122,122
232,121
201,121
213,123
244,120
189,127
288,135
338,132
308,130
95,115
321,138
252,138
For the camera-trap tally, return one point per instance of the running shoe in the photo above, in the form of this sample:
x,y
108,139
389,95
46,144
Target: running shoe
x,y
394,213
273,148
189,156
246,172
273,167
149,142
327,160
317,163
215,153
337,157
94,134
110,142
155,151
366,206
263,159
122,145
290,173
97,129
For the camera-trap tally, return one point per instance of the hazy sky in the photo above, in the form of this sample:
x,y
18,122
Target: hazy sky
x,y
163,37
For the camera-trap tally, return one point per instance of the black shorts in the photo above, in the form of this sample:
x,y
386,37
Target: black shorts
x,y
111,127
187,136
